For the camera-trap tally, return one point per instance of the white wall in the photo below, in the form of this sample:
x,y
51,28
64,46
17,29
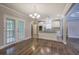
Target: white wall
x,y
28,27
15,15
48,36
73,28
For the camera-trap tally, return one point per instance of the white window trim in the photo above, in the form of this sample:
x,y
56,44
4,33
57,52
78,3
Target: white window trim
x,y
16,20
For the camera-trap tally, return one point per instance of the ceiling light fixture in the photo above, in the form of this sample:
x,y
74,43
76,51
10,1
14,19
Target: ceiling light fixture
x,y
35,15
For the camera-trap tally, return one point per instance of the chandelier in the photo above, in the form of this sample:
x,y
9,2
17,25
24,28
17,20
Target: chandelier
x,y
35,15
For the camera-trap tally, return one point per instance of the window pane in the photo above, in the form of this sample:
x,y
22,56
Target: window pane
x,y
21,30
10,30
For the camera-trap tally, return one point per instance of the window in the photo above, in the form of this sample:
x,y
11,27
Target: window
x,y
56,24
21,30
10,30
48,24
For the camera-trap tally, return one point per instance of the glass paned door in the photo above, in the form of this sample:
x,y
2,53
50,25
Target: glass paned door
x,y
10,31
21,30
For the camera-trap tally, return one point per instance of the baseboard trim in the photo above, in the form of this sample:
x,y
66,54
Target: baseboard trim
x,y
4,46
50,40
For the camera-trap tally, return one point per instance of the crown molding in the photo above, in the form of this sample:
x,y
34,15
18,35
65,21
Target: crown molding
x,y
67,8
20,13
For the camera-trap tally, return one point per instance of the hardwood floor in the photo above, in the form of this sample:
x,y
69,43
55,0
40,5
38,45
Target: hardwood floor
x,y
73,43
38,47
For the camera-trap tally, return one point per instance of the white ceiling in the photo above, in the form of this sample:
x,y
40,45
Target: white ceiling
x,y
53,10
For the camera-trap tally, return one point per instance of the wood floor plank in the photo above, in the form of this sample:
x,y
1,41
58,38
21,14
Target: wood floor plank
x,y
43,47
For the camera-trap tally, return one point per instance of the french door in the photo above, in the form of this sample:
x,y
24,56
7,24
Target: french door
x,y
21,31
10,31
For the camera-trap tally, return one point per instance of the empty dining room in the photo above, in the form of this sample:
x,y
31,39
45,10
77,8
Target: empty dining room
x,y
39,29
